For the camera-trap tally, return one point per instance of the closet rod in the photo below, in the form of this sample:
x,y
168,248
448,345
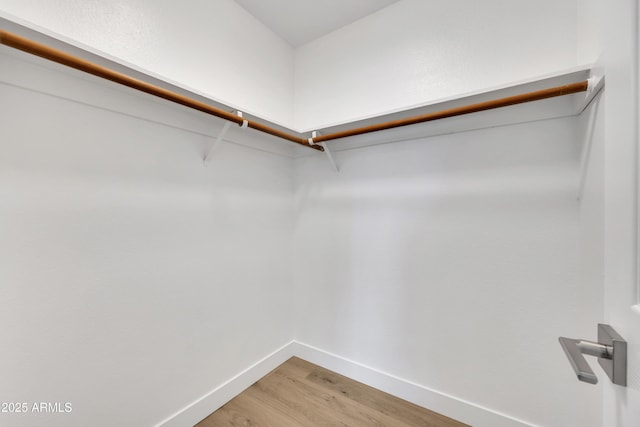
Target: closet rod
x,y
63,58
458,111
29,46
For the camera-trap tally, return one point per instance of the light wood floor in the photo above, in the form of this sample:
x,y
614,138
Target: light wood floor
x,y
299,393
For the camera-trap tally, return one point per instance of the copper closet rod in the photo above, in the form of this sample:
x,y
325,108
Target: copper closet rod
x,y
26,45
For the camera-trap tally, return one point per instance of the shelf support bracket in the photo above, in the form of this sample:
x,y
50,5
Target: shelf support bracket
x,y
326,150
224,130
586,147
329,156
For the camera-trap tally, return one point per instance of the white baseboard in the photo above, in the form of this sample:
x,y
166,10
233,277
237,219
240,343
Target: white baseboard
x,y
444,404
198,410
451,406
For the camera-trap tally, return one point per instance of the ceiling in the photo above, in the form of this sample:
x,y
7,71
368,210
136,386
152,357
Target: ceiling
x,y
300,21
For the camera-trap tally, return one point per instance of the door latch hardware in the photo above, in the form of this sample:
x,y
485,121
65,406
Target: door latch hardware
x,y
611,351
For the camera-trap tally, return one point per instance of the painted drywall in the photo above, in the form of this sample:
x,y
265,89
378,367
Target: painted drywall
x,y
134,280
592,246
453,262
421,259
590,27
214,47
415,51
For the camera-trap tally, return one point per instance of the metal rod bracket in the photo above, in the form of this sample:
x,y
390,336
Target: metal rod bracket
x,y
224,130
313,135
329,156
245,122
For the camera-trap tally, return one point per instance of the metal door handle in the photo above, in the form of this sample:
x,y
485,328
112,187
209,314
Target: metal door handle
x,y
611,351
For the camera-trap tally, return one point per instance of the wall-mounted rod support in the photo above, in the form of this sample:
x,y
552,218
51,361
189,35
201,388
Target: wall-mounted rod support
x,y
215,143
330,156
29,46
245,122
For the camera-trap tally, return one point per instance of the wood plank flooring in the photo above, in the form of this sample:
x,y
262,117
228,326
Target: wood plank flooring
x,y
299,393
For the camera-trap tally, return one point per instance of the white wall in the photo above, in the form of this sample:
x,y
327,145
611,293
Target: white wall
x,y
214,47
136,275
416,51
590,27
133,279
453,262
591,192
592,247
